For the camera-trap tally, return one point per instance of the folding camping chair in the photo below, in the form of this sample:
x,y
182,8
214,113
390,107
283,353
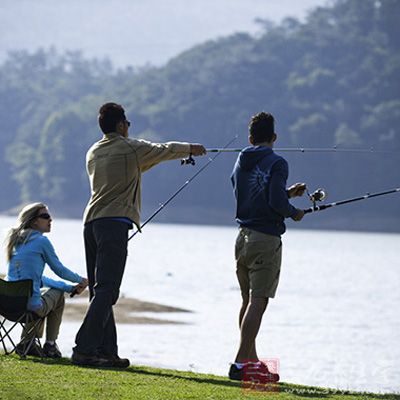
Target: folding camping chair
x,y
14,298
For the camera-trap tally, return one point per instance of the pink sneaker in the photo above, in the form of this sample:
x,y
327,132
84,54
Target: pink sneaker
x,y
259,373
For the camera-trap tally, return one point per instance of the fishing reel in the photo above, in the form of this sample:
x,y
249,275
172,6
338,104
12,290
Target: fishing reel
x,y
188,161
318,195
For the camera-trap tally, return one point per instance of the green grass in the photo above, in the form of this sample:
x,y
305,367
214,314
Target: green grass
x,y
34,379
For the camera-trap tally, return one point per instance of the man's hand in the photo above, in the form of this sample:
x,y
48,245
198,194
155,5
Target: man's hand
x,y
298,216
197,149
297,190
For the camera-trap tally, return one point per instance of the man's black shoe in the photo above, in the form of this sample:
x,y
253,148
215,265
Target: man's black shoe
x,y
51,350
235,373
90,360
116,362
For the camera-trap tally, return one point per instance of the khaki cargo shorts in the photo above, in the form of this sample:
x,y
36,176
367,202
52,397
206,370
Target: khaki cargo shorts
x,y
258,263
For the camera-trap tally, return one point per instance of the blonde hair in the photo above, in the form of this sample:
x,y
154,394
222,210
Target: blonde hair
x,y
20,234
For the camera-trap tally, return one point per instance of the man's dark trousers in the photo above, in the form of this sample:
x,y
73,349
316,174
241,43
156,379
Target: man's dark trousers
x,y
106,242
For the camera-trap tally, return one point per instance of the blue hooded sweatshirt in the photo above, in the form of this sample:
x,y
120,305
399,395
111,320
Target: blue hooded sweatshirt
x,y
259,182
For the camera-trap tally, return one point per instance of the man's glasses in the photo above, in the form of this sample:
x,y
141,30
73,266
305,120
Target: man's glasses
x,y
128,123
44,216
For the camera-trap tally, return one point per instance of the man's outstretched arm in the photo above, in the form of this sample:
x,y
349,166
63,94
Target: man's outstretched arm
x,y
150,154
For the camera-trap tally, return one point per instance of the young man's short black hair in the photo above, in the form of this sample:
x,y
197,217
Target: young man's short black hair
x,y
109,116
262,127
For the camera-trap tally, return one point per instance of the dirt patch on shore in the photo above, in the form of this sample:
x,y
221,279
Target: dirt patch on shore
x,y
126,311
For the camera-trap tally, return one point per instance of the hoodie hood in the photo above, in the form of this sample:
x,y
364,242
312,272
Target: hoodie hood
x,y
251,155
26,235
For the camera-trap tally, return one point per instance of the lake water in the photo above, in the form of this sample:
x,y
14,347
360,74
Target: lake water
x,y
335,321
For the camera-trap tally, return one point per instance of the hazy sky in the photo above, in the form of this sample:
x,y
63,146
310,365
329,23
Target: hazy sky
x,y
134,32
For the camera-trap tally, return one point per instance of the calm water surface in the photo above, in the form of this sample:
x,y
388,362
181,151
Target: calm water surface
x,y
334,321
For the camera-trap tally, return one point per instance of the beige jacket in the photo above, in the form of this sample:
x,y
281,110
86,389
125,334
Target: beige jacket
x,y
115,165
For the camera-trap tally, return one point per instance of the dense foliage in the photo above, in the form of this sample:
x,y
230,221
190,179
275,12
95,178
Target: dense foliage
x,y
330,81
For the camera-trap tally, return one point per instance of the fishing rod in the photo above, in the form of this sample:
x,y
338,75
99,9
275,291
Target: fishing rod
x,y
189,160
308,150
320,194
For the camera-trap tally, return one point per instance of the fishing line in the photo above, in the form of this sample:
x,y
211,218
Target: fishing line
x,y
309,150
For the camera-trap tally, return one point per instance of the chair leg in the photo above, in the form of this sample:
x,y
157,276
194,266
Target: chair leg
x,y
6,334
26,344
39,347
3,337
34,339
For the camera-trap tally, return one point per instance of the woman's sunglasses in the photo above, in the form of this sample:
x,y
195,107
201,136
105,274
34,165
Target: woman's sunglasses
x,y
44,216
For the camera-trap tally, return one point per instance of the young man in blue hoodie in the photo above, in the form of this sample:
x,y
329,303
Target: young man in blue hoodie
x,y
259,181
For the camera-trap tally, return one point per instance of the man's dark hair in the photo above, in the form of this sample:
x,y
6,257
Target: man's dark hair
x,y
109,116
262,127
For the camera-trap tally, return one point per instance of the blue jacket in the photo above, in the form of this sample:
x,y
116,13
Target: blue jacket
x,y
28,261
259,182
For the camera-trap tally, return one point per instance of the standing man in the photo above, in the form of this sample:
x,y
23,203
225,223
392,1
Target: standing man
x,y
259,181
114,165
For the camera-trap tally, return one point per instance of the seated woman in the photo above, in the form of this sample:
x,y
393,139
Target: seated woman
x,y
27,251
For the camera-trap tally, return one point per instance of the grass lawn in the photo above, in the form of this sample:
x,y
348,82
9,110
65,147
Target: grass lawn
x,y
34,379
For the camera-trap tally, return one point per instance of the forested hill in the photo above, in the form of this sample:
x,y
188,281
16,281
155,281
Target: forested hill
x,y
331,81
